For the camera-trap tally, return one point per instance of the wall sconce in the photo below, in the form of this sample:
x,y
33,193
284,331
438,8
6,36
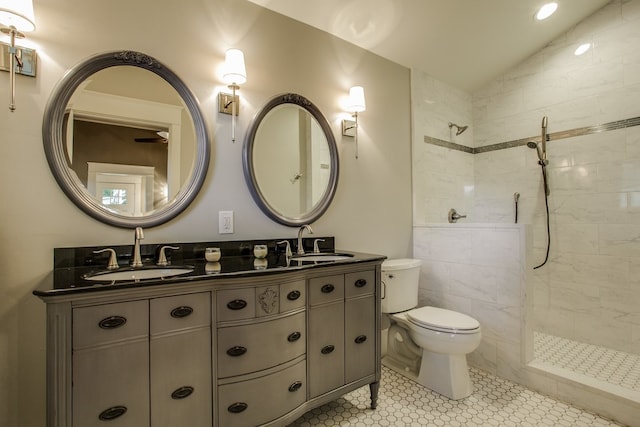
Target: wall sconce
x,y
234,75
16,16
355,105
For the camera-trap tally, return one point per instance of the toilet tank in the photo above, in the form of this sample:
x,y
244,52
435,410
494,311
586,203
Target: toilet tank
x,y
400,279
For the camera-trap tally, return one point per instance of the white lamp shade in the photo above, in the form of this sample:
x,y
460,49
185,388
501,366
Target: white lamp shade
x,y
18,14
234,69
356,100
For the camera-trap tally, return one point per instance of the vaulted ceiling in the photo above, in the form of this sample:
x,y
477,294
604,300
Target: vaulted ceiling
x,y
465,43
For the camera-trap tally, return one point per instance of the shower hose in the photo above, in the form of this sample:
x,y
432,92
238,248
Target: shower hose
x,y
546,204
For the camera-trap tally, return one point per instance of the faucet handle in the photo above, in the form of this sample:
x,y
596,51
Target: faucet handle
x,y
288,248
113,259
162,257
316,249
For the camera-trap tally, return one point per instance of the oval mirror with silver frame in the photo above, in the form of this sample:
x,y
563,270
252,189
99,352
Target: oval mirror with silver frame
x,y
290,160
126,140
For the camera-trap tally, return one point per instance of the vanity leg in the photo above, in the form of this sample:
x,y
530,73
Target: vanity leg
x,y
374,387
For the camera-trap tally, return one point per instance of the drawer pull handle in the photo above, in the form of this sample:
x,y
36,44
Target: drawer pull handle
x,y
112,413
361,283
293,295
295,386
112,322
236,351
327,349
360,339
328,288
182,392
236,304
182,311
294,336
236,408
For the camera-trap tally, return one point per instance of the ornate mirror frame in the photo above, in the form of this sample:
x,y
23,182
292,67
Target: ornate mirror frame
x,y
248,162
54,141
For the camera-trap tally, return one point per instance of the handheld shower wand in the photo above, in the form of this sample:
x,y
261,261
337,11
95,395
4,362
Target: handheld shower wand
x,y
544,138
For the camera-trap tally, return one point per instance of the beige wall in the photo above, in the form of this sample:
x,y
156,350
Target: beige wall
x,y
371,211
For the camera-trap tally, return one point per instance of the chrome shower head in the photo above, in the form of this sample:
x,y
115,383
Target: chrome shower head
x,y
460,129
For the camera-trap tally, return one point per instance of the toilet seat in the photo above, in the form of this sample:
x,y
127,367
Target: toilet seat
x,y
442,320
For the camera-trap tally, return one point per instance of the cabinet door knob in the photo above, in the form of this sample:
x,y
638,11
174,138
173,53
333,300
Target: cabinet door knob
x,y
360,283
360,339
236,304
294,336
295,386
328,288
182,392
327,349
112,413
293,295
112,322
236,408
236,351
182,311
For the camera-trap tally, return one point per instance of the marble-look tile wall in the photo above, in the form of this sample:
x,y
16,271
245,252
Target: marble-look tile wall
x,y
442,178
479,270
588,290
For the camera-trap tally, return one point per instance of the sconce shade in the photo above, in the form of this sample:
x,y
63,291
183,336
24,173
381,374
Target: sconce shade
x,y
18,14
235,72
356,100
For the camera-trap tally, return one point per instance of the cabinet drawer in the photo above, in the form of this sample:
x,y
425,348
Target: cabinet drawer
x,y
180,312
111,386
255,402
109,323
360,283
236,304
250,348
326,289
292,296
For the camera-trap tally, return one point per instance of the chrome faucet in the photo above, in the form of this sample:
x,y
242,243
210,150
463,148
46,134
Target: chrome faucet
x,y
136,261
307,227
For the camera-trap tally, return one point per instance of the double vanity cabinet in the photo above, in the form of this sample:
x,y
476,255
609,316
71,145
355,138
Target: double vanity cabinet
x,y
242,349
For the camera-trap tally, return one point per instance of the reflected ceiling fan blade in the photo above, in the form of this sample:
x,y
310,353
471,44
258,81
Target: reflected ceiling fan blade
x,y
151,139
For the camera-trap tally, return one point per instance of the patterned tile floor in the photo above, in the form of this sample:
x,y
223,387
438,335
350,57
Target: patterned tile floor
x,y
402,402
600,363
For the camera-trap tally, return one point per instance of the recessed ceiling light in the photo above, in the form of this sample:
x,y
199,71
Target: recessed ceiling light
x,y
546,11
582,49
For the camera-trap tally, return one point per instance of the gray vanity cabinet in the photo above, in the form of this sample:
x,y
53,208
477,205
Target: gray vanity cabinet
x,y
259,349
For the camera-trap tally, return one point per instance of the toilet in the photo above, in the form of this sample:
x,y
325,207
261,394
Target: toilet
x,y
427,344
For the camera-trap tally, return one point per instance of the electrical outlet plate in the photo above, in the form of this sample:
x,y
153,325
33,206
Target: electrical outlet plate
x,y
225,222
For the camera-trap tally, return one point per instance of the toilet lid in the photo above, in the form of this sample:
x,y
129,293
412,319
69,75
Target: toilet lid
x,y
442,319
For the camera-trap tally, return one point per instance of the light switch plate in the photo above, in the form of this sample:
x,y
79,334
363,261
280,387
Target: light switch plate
x,y
225,222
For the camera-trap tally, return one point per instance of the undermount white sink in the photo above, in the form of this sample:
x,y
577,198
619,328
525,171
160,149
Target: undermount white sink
x,y
322,256
139,274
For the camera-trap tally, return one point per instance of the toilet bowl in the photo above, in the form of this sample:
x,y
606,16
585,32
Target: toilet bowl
x,y
438,340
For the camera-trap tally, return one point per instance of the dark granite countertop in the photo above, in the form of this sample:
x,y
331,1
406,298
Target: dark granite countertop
x,y
72,265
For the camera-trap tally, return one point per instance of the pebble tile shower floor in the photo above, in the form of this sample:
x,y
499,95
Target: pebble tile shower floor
x,y
495,402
